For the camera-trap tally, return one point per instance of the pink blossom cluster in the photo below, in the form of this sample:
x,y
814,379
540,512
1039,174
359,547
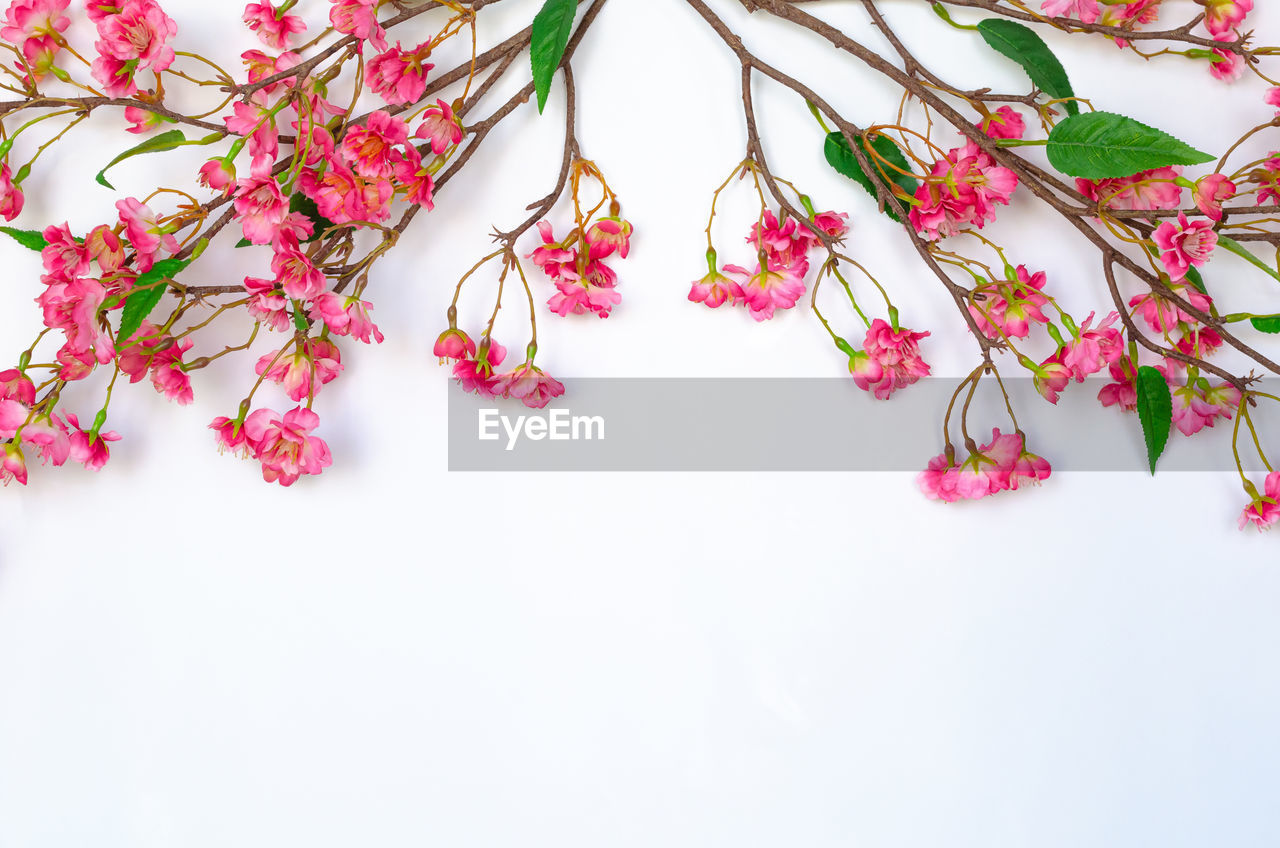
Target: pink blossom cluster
x,y
1001,465
132,36
23,422
576,266
35,28
962,190
1197,402
1089,350
1223,19
1009,307
476,370
777,279
889,360
283,444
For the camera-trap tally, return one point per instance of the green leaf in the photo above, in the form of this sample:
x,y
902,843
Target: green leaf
x,y
165,141
1103,145
146,295
1022,45
299,202
840,157
1155,411
1195,278
1244,253
550,37
1266,323
27,238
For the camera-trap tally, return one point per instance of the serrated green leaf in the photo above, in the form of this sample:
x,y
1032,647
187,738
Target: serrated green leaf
x,y
1155,411
840,156
1266,323
27,238
550,37
167,140
146,295
1024,46
1104,145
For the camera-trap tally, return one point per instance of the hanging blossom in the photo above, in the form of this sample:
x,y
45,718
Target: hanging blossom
x,y
961,190
1001,465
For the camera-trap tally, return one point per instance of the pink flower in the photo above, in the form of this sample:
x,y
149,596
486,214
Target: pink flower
x,y
359,18
218,175
142,120
63,257
715,289
261,208
455,344
476,373
1092,350
285,446
104,247
1264,510
1154,189
1210,192
766,289
1273,98
530,385
896,358
14,385
1163,315
440,126
1223,17
344,197
1124,391
88,449
1051,376
1086,10
11,199
961,190
371,149
1226,65
607,236
303,371
138,33
13,465
1005,123
50,437
1184,244
34,19
167,375
398,75
1196,407
13,414
592,293
1001,465
272,27
144,232
1010,306
229,435
346,316
252,121
299,279
415,178
834,224
267,304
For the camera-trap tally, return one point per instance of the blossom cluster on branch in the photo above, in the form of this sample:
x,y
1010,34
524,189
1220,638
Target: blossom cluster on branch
x,y
300,165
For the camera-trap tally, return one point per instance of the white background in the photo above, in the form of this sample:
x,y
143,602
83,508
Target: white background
x,y
394,655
